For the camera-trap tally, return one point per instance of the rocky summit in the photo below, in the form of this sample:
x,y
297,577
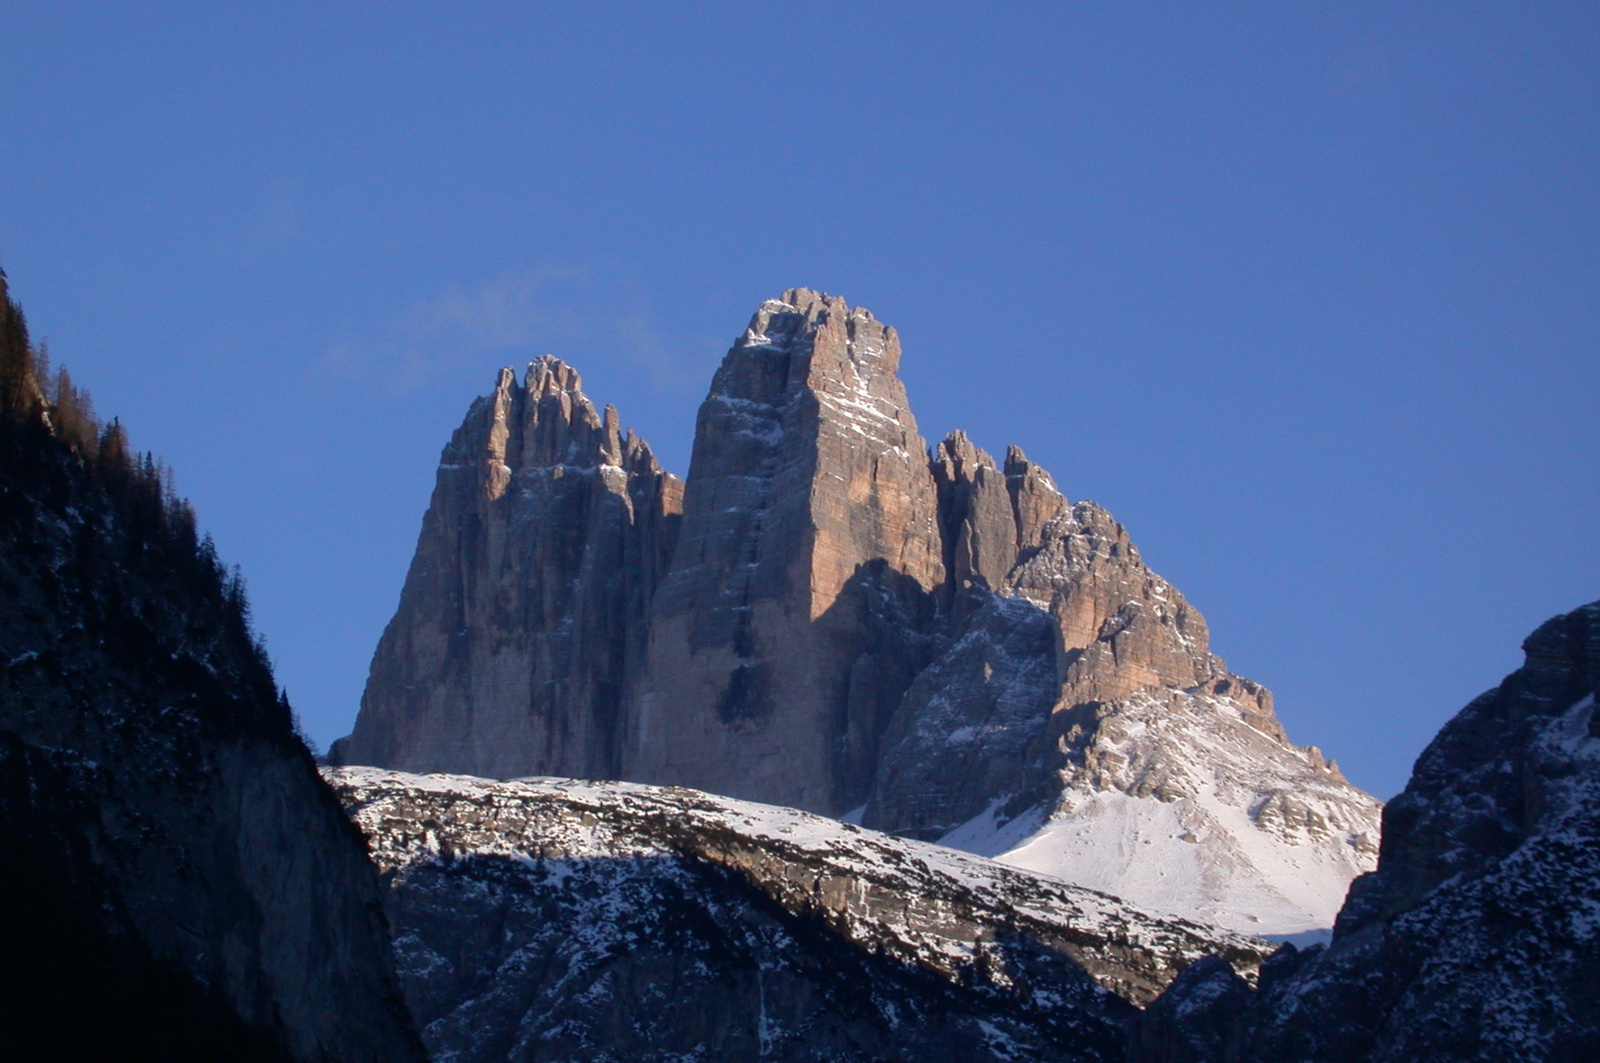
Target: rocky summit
x,y
522,621
830,615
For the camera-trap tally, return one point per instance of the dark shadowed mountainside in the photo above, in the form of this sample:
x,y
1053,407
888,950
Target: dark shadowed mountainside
x,y
177,882
1475,938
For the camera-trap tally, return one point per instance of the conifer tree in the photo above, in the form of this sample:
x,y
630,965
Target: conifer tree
x,y
17,383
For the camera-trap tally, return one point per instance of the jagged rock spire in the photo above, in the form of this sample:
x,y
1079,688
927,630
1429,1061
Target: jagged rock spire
x,y
525,605
791,622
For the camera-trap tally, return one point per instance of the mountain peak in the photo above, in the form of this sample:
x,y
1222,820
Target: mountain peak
x,y
548,375
838,618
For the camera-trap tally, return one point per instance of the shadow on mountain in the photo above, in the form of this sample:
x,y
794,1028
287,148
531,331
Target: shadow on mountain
x,y
177,882
971,733
659,958
77,981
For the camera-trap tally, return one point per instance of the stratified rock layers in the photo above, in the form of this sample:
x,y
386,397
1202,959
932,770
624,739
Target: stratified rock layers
x,y
840,619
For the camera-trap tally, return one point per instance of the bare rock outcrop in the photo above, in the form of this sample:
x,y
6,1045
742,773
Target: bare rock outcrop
x,y
524,608
1475,937
792,620
1079,724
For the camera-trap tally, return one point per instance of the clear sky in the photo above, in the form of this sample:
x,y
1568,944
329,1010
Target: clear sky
x,y
1307,294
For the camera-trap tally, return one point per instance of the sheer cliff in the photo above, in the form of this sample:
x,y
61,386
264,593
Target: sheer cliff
x,y
842,620
522,619
177,881
793,617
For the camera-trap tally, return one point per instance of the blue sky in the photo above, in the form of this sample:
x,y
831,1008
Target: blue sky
x,y
1308,295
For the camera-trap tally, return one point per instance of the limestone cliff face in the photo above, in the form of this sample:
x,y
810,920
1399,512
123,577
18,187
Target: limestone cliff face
x,y
791,622
525,605
987,516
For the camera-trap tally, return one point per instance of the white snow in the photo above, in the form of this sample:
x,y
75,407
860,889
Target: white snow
x,y
1148,852
569,819
1225,852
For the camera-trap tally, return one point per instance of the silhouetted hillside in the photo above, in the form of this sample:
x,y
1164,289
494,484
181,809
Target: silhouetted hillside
x,y
177,882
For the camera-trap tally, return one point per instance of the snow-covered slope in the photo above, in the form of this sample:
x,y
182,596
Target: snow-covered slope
x,y
552,919
1180,803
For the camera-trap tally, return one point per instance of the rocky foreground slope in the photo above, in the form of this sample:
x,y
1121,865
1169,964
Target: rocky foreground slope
x,y
548,919
176,882
1475,939
828,615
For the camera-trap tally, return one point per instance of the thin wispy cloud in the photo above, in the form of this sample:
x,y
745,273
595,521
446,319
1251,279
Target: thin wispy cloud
x,y
577,312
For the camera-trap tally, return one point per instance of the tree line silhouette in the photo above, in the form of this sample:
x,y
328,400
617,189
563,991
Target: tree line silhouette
x,y
48,426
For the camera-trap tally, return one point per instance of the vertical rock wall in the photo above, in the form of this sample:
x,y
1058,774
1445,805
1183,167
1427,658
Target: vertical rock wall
x,y
791,622
525,605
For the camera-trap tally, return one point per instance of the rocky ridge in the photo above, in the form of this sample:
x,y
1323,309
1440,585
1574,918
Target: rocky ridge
x,y
1475,936
545,918
1079,725
844,620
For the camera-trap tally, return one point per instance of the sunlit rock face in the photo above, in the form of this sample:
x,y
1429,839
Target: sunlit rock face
x,y
525,605
800,598
843,620
548,919
1079,725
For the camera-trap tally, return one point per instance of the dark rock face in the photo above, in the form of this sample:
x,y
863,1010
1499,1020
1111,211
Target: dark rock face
x,y
178,883
972,726
1475,937
523,614
549,919
846,622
